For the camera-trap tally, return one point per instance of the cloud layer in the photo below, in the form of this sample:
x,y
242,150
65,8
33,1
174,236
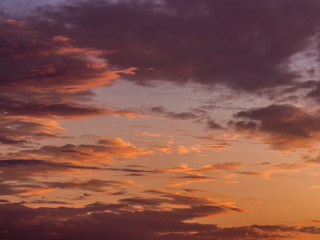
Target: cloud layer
x,y
107,220
245,45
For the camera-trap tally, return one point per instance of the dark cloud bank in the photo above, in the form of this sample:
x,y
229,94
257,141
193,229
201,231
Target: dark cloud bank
x,y
116,222
242,44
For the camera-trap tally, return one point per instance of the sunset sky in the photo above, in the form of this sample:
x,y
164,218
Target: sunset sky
x,y
159,119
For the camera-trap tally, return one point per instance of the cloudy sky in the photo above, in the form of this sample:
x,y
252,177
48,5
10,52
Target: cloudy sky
x,y
159,119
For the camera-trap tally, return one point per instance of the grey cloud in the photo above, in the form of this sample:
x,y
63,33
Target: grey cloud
x,y
245,45
284,127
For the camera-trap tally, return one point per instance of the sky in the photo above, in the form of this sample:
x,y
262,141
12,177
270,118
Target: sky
x,y
164,120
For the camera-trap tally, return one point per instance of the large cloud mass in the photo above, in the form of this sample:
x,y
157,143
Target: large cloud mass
x,y
282,126
114,221
243,44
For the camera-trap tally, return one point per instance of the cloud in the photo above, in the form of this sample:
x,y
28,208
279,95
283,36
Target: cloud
x,y
284,167
168,197
315,89
41,110
163,148
50,77
213,125
105,152
198,115
283,127
185,175
106,221
19,131
206,168
26,169
130,170
8,141
34,162
117,142
96,185
193,41
41,64
7,189
182,149
47,78
21,7
40,201
216,142
190,178
221,146
191,115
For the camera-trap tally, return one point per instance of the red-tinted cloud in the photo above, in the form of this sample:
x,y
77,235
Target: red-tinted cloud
x,y
42,64
107,150
19,131
50,77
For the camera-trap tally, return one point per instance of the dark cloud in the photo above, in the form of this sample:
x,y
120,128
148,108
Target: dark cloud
x,y
245,45
46,77
311,160
161,111
193,176
311,230
19,131
134,175
83,196
28,169
133,171
41,201
8,141
213,125
178,198
315,92
92,153
7,189
96,185
24,169
41,64
284,127
22,189
36,109
107,221
34,162
198,115
145,202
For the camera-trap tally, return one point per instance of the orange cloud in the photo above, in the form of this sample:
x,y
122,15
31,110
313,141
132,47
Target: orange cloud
x,y
104,152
